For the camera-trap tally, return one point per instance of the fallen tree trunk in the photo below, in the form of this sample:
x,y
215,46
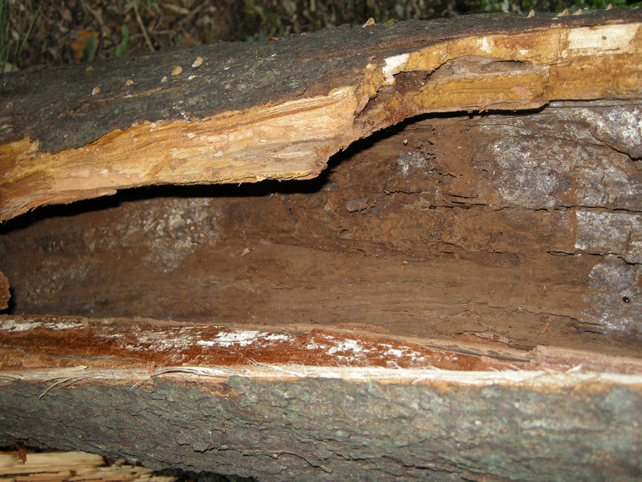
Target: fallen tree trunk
x,y
235,113
458,296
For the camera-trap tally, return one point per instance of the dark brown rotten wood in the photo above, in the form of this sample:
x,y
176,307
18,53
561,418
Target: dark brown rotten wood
x,y
523,229
232,113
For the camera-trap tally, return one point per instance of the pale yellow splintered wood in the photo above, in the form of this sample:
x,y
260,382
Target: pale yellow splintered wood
x,y
72,467
48,462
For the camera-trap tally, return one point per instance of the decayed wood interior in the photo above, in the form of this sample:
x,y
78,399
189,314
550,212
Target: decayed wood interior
x,y
518,227
470,228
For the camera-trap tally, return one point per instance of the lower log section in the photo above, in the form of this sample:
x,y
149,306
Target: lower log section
x,y
303,404
342,424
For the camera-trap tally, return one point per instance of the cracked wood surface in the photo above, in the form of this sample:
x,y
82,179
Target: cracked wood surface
x,y
57,342
279,110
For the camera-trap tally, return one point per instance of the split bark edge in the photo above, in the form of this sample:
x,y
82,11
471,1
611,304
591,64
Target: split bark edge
x,y
293,138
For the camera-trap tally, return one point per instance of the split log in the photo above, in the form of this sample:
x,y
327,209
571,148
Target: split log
x,y
233,113
456,297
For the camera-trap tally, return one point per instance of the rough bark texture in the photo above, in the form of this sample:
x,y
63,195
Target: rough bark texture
x,y
233,113
541,428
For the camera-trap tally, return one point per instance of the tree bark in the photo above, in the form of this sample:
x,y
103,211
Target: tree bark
x,y
232,113
301,422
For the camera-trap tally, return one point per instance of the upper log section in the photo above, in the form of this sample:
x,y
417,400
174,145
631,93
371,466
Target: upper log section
x,y
232,113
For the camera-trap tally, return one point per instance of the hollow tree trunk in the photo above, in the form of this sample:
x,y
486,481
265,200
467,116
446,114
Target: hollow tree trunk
x,y
457,297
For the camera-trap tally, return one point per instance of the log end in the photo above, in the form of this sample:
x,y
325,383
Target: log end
x,y
4,292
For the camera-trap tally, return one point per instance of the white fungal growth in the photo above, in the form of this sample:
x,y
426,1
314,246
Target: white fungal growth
x,y
393,66
11,325
346,345
241,338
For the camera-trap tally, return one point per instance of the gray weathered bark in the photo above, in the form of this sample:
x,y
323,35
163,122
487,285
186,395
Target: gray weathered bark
x,y
539,427
575,420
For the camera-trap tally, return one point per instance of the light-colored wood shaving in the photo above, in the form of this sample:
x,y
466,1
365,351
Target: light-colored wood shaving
x,y
72,467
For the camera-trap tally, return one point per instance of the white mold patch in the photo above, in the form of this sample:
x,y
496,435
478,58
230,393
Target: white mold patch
x,y
206,343
393,66
618,233
243,339
403,352
274,337
12,326
240,338
347,345
410,161
394,352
